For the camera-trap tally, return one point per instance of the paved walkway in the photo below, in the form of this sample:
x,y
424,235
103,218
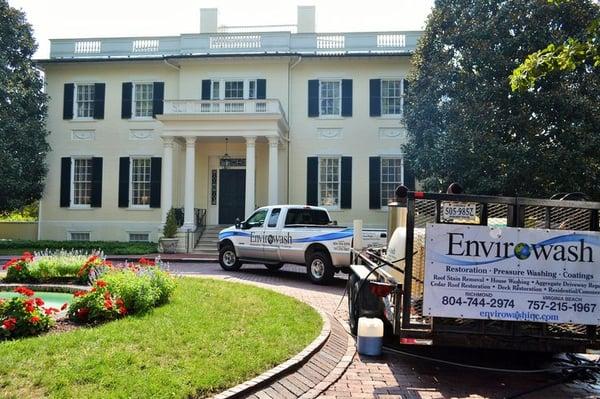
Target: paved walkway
x,y
396,376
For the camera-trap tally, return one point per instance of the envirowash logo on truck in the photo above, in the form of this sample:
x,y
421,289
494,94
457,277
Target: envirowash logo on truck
x,y
265,238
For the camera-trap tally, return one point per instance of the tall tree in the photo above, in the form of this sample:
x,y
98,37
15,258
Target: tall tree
x,y
23,145
466,125
576,52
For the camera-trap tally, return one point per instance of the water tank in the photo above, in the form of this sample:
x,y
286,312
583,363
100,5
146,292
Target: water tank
x,y
370,336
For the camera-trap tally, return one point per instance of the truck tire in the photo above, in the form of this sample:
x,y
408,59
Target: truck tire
x,y
274,266
228,259
319,268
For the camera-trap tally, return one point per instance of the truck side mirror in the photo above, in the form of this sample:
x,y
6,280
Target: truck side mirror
x,y
238,224
334,222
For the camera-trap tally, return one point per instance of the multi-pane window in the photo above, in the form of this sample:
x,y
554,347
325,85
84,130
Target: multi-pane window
x,y
142,99
81,188
139,237
234,89
391,177
84,100
252,89
216,90
79,236
329,182
330,97
391,97
140,181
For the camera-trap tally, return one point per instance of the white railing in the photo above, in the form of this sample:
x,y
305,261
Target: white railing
x,y
199,107
232,43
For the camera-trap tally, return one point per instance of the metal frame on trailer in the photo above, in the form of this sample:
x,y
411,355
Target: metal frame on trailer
x,y
518,212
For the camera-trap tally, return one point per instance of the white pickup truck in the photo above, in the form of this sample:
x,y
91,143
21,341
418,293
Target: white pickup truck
x,y
303,235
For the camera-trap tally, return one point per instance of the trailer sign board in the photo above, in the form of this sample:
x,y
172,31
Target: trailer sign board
x,y
508,273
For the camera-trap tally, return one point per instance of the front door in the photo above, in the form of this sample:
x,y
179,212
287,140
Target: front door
x,y
232,195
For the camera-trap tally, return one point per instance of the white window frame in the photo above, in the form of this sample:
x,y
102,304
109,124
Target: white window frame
x,y
130,233
131,161
221,88
339,181
133,101
381,182
70,235
92,101
339,98
402,94
72,188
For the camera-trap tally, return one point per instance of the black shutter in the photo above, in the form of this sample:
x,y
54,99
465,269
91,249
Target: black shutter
x,y
261,89
126,100
375,97
206,83
123,182
409,175
346,183
312,181
65,182
158,95
374,182
346,97
99,92
96,199
313,98
68,101
155,180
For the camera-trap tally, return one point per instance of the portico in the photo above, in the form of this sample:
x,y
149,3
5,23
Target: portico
x,y
223,156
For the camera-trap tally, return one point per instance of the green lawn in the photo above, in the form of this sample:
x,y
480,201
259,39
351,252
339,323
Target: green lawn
x,y
211,336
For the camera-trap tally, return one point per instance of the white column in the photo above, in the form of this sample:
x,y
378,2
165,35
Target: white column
x,y
273,170
250,174
167,177
190,186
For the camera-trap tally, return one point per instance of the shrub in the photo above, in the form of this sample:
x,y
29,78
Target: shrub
x,y
126,288
170,229
109,247
18,269
24,315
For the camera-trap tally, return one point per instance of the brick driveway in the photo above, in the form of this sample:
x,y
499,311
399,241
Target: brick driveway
x,y
397,376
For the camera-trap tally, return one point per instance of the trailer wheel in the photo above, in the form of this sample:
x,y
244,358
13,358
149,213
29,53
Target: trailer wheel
x,y
319,268
274,266
353,312
228,259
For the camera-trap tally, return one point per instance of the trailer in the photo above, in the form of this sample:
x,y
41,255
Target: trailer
x,y
483,271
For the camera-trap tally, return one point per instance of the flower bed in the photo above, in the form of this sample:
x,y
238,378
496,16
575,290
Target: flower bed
x,y
116,291
25,315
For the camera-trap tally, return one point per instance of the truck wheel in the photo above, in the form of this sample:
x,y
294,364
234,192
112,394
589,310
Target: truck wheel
x,y
228,259
319,268
274,266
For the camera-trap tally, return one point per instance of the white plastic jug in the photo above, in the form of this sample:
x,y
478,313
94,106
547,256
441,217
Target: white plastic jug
x,y
370,336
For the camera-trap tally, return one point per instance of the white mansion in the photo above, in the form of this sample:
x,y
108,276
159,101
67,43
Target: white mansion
x,y
218,123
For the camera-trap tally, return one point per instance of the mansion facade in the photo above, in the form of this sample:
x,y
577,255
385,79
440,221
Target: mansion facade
x,y
216,124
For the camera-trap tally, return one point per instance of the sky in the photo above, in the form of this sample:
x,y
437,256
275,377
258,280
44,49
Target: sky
x,y
55,19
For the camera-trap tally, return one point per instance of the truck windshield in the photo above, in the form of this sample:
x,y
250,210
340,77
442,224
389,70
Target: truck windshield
x,y
307,216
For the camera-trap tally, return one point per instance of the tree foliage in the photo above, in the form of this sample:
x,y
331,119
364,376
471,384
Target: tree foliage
x,y
466,125
575,52
23,145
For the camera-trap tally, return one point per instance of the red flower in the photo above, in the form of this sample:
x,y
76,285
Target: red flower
x,y
39,301
146,262
24,291
28,305
18,268
27,257
120,302
122,310
64,306
108,304
82,313
108,263
79,293
50,311
106,295
35,319
101,283
9,324
9,263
